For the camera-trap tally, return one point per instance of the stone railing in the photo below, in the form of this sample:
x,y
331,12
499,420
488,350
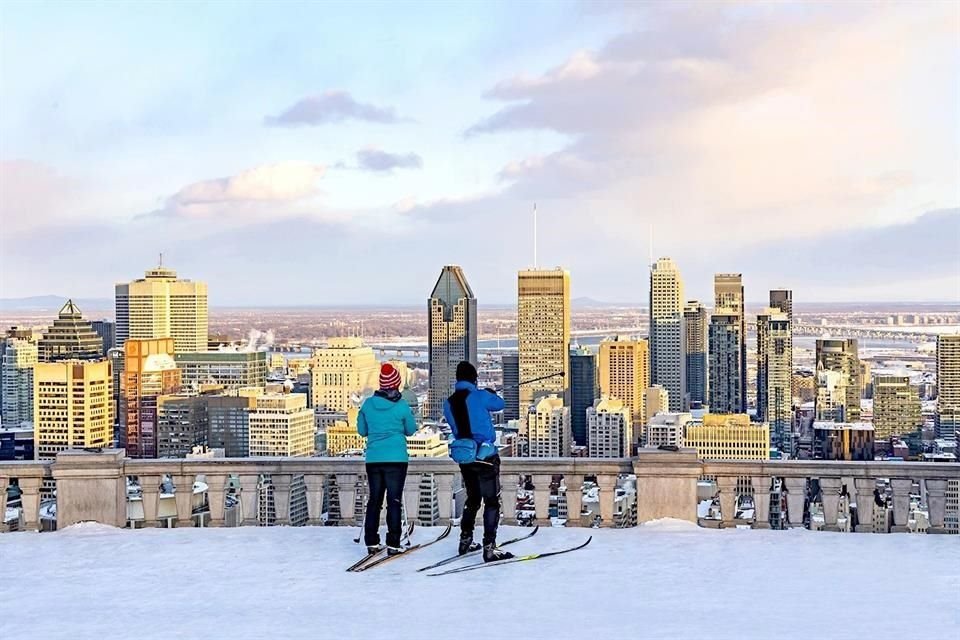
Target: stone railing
x,y
855,480
94,486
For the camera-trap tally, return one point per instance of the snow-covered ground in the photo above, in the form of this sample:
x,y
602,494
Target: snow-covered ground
x,y
665,580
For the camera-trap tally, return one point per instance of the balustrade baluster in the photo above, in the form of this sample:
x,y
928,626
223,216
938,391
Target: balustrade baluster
x,y
249,498
508,497
761,501
574,495
541,499
150,499
314,483
830,495
608,496
216,487
347,490
901,503
796,498
183,495
30,501
281,498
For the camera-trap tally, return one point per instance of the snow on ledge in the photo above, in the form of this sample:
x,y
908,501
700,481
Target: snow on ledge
x,y
87,528
670,524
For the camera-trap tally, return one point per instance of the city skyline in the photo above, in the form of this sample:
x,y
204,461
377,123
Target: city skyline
x,y
773,133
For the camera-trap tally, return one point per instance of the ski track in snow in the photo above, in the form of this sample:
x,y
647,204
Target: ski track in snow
x,y
663,581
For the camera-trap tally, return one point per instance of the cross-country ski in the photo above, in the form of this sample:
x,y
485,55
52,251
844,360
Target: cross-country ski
x,y
383,559
446,561
532,556
370,556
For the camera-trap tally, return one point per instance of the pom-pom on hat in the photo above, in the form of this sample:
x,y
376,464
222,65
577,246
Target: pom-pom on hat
x,y
389,377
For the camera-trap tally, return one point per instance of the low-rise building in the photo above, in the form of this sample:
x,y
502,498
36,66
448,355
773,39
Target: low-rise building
x,y
667,429
609,429
281,425
728,436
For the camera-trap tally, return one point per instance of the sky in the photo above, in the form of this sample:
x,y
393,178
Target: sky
x,y
337,153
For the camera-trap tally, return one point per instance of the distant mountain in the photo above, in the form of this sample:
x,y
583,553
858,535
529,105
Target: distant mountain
x,y
53,303
590,303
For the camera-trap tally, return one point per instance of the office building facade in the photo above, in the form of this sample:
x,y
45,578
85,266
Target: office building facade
x,y
70,337
668,357
72,406
149,371
583,391
624,375
774,371
451,335
160,305
510,363
948,386
281,424
341,373
549,434
728,437
18,357
728,298
841,401
726,376
696,326
609,429
229,369
543,333
896,406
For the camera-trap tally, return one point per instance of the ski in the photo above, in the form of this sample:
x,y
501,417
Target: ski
x,y
480,550
532,556
371,556
377,562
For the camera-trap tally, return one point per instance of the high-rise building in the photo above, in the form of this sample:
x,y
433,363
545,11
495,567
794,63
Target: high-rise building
x,y
774,371
341,373
69,337
451,334
543,332
107,331
728,296
843,440
583,390
666,429
161,306
727,394
228,416
281,425
728,437
782,299
656,400
668,353
948,386
72,406
149,371
182,424
695,327
18,357
342,435
548,428
511,386
896,406
624,375
609,429
229,369
840,401
804,386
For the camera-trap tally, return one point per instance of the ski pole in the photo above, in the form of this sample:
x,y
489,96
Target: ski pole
x,y
559,374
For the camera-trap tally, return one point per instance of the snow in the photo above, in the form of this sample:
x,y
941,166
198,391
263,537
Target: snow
x,y
662,580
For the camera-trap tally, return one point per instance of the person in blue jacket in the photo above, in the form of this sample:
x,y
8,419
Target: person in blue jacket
x,y
385,420
468,413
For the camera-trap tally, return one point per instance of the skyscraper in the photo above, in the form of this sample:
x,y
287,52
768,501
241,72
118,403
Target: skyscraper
x,y
181,424
72,406
511,389
18,357
774,370
107,331
340,373
948,386
548,428
149,371
610,429
696,323
624,376
230,369
838,397
451,333
161,306
583,390
667,337
543,332
782,299
69,337
726,392
896,406
728,297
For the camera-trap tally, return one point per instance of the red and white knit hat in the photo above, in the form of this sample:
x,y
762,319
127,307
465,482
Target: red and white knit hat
x,y
389,377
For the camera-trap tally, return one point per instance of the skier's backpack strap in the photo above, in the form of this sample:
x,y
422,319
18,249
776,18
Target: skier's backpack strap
x,y
463,450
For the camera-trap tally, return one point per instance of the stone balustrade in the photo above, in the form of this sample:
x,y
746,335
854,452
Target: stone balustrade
x,y
93,486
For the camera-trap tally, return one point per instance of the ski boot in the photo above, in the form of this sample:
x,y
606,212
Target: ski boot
x,y
467,544
394,551
374,548
492,554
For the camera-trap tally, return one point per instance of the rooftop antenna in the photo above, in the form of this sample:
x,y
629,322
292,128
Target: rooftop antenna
x,y
534,235
650,236
161,258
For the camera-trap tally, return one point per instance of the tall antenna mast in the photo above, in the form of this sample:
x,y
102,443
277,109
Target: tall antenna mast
x,y
651,245
534,235
161,258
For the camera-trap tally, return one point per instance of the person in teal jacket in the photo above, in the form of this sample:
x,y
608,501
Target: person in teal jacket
x,y
385,420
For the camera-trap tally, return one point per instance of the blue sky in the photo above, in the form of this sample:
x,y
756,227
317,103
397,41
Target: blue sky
x,y
311,153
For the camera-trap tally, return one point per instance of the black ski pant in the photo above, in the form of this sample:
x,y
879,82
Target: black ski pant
x,y
384,478
482,482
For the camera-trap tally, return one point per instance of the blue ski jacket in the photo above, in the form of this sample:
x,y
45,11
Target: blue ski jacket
x,y
479,405
386,422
